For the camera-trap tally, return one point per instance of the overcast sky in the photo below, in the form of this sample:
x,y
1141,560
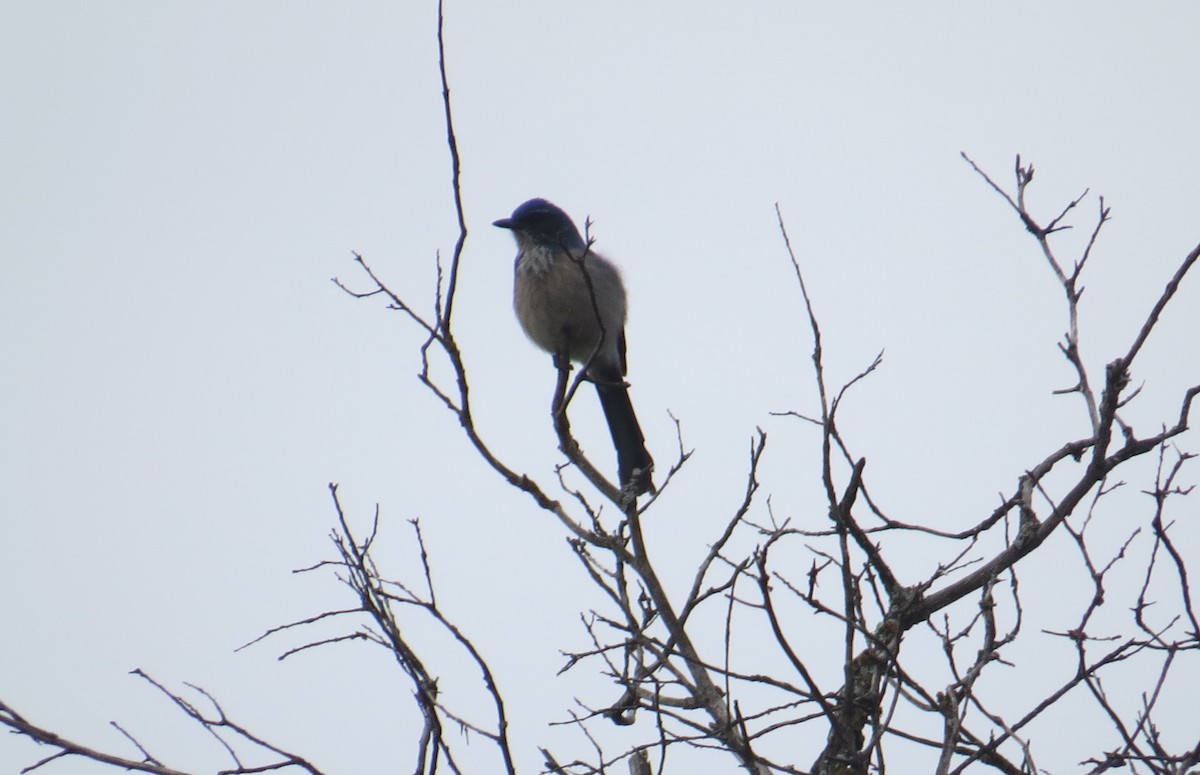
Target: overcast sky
x,y
181,380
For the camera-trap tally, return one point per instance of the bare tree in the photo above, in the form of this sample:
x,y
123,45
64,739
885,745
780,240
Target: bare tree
x,y
900,666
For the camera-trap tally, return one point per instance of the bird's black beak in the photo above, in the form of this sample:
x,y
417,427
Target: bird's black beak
x,y
503,223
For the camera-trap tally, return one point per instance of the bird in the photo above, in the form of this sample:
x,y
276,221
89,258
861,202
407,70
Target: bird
x,y
571,302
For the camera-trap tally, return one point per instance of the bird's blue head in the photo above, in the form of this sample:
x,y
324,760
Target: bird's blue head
x,y
543,221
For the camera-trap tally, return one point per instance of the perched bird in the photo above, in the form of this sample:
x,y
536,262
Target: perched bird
x,y
571,302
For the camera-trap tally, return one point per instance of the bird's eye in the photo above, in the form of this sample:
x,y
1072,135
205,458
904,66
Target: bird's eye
x,y
541,222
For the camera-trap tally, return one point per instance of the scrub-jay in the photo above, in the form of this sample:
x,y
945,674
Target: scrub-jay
x,y
571,302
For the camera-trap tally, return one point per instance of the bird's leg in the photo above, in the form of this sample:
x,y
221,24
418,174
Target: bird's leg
x,y
558,407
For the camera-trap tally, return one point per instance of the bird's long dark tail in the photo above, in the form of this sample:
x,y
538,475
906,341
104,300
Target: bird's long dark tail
x,y
633,461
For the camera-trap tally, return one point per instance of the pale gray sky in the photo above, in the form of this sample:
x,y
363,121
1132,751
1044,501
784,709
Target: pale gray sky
x,y
181,379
